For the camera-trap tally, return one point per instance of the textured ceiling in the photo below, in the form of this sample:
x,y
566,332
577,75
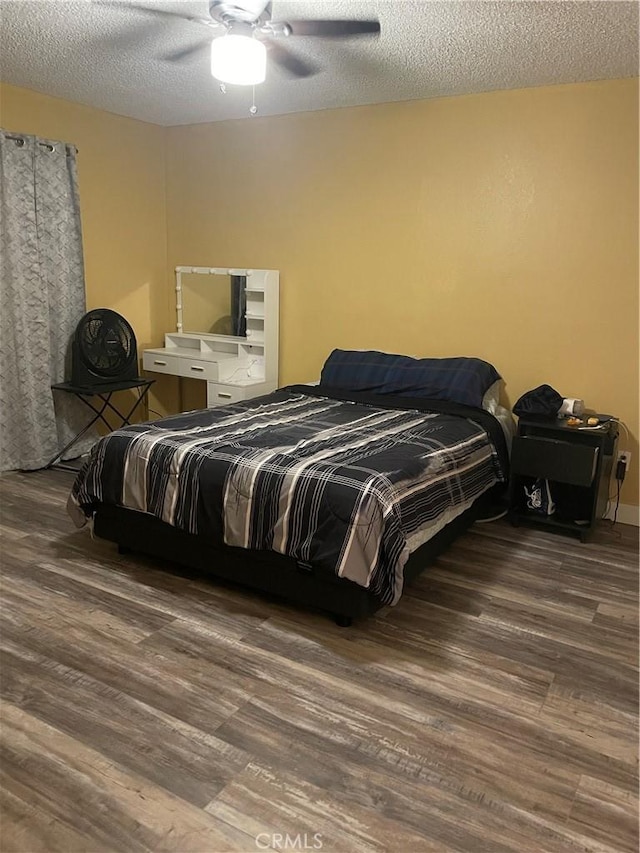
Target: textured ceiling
x,y
109,57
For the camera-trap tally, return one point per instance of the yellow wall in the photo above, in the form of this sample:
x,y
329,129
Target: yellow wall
x,y
121,175
500,225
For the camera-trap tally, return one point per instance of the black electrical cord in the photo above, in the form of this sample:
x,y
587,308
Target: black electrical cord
x,y
615,512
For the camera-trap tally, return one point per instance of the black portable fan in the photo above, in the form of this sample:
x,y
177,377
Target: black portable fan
x,y
103,350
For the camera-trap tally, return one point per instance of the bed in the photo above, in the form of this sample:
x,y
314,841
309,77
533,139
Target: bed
x,y
333,496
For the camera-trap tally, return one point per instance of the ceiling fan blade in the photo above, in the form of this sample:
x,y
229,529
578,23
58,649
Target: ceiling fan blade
x,y
157,13
186,52
288,61
333,29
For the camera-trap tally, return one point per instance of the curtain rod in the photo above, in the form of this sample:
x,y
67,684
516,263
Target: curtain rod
x,y
46,145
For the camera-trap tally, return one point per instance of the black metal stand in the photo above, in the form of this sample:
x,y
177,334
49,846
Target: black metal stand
x,y
103,392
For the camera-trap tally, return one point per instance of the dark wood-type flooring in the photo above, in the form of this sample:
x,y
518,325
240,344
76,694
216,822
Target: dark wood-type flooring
x,y
494,709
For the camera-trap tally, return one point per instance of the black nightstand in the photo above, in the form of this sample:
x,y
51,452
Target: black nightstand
x,y
576,461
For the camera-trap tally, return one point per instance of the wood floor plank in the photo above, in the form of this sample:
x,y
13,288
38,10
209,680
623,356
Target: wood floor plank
x,y
623,614
422,800
10,534
58,586
606,813
265,801
28,826
528,580
591,723
148,709
166,591
190,763
176,685
25,598
283,652
476,761
388,676
518,643
604,582
591,637
450,596
617,546
91,803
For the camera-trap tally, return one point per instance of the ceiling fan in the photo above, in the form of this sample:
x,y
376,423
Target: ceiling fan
x,y
242,32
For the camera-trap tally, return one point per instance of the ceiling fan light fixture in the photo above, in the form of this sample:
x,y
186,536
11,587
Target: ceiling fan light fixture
x,y
240,60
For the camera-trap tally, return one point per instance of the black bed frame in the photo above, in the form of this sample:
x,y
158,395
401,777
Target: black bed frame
x,y
297,582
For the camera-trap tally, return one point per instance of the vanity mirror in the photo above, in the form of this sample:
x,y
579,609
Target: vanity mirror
x,y
212,304
226,332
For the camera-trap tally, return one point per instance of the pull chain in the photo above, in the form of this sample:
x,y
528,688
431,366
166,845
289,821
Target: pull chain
x,y
253,109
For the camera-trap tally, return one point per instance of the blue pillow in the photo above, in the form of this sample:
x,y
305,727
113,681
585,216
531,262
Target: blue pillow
x,y
460,380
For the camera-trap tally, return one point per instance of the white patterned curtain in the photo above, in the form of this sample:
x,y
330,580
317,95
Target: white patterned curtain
x,y
42,297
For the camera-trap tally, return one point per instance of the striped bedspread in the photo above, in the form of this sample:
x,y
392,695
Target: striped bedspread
x,y
336,483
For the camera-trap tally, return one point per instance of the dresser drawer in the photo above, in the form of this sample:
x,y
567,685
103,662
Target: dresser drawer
x,y
222,395
195,369
160,363
179,365
553,459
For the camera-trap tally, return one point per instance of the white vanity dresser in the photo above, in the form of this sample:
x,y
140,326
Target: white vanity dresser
x,y
226,333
